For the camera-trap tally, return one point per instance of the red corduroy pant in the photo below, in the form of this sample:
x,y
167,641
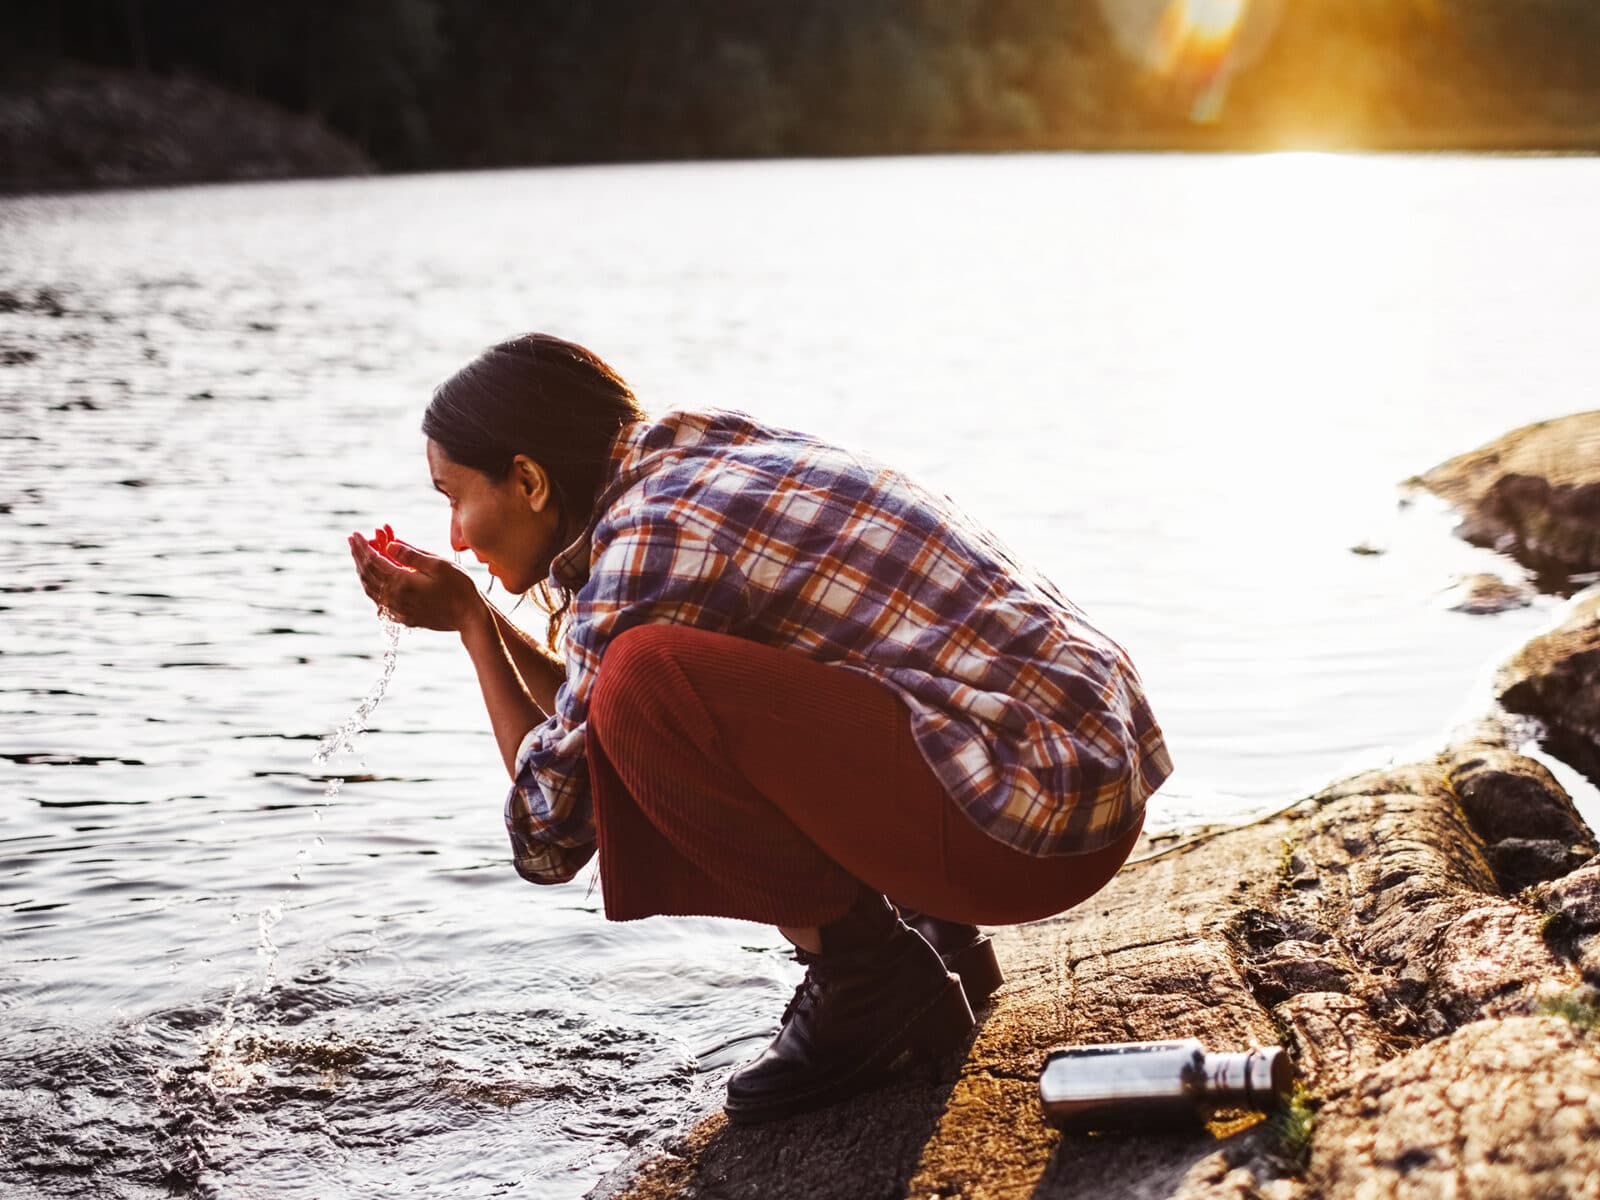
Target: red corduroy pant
x,y
731,779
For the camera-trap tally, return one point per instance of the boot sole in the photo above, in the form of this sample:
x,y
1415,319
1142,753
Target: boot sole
x,y
979,970
928,1033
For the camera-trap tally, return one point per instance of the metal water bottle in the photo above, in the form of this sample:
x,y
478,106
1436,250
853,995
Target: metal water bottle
x,y
1157,1085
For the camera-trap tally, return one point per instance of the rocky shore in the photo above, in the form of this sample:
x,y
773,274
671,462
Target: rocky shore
x,y
66,126
1424,939
1533,494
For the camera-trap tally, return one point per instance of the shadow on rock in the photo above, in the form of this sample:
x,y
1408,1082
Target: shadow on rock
x,y
866,1148
1164,1164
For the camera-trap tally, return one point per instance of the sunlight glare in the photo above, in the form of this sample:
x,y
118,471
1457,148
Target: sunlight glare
x,y
1296,267
1192,52
1194,48
1200,26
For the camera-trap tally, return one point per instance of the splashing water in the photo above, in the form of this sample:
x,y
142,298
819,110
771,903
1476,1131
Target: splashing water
x,y
344,738
266,948
226,1067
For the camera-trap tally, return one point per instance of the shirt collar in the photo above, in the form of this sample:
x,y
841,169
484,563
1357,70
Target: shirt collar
x,y
569,570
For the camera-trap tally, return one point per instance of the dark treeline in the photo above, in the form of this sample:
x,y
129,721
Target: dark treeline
x,y
465,83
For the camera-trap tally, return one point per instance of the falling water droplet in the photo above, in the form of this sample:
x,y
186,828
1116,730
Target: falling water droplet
x,y
344,737
266,948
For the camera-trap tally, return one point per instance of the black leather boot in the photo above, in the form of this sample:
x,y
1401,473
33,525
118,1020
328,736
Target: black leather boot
x,y
965,949
877,995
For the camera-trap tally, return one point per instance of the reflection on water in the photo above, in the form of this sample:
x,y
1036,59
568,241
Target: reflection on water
x,y
1185,387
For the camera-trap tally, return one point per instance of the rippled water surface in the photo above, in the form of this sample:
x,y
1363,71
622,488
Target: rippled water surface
x,y
1187,387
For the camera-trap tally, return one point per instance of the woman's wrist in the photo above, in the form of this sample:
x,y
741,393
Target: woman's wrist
x,y
476,618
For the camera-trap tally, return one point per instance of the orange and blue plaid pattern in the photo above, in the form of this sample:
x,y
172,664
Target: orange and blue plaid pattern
x,y
1034,721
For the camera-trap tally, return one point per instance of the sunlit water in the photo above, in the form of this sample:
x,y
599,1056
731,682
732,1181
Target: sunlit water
x,y
1186,387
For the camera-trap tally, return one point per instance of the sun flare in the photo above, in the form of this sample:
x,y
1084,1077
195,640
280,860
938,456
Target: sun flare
x,y
1198,32
1194,45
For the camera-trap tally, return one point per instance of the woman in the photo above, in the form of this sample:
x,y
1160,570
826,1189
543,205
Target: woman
x,y
794,687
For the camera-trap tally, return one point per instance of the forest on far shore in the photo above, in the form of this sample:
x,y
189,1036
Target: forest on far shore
x,y
422,84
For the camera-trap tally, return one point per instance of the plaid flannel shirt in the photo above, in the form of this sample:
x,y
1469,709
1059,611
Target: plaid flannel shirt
x,y
1034,721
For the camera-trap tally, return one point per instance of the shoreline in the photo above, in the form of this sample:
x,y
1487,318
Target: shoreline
x,y
66,127
72,185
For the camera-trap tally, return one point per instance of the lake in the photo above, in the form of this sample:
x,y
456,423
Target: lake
x,y
1186,387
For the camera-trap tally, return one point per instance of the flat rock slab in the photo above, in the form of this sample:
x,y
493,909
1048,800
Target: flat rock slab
x,y
1365,929
1533,493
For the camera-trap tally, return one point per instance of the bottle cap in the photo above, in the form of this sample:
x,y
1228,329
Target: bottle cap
x,y
1271,1073
1261,1076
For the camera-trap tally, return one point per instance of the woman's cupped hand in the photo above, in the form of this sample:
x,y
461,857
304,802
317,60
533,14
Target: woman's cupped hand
x,y
416,588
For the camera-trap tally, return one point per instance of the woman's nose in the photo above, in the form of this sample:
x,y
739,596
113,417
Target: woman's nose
x,y
457,542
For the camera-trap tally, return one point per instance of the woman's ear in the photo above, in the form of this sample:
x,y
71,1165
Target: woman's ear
x,y
534,481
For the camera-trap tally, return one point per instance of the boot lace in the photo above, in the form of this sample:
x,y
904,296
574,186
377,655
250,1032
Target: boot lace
x,y
809,987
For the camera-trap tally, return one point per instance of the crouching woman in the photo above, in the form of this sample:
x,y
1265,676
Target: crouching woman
x,y
792,687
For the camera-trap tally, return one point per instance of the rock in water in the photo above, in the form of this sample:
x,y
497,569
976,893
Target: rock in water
x,y
1533,494
1555,679
1486,593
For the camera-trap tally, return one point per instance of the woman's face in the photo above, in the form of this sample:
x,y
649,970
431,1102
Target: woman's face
x,y
510,525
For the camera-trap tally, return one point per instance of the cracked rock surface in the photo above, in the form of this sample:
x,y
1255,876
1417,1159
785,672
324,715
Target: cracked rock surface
x,y
1496,1109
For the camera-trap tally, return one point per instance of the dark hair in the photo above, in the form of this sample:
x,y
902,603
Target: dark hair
x,y
546,398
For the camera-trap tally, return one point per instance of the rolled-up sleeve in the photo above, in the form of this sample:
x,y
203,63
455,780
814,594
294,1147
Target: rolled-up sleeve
x,y
647,567
548,816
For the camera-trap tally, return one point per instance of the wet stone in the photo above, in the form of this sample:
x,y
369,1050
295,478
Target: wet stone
x,y
1555,678
1483,593
1533,493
